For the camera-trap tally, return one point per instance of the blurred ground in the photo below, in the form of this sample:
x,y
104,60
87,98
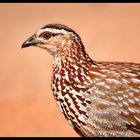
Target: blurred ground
x,y
110,32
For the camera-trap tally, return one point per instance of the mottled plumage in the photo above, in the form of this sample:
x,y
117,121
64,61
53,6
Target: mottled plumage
x,y
97,98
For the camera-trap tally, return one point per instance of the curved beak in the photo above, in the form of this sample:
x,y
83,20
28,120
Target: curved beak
x,y
30,42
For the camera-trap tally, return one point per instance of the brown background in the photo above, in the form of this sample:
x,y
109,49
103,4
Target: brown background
x,y
110,32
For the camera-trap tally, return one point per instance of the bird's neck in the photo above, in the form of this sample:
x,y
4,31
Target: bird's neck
x,y
73,54
69,80
73,65
73,61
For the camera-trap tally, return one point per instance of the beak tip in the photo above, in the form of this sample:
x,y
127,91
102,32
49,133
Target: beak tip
x,y
24,45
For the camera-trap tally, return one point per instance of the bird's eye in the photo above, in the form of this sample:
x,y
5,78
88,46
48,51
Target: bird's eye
x,y
46,35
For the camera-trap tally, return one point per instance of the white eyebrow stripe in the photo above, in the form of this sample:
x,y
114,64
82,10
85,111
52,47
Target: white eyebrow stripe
x,y
57,31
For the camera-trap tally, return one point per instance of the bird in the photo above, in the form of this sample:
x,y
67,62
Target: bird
x,y
98,98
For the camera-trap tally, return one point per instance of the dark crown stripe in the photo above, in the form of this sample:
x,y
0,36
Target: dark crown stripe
x,y
60,27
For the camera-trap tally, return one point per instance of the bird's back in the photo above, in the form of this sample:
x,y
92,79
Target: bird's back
x,y
115,97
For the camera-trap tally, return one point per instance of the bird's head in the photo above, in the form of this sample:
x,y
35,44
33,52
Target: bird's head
x,y
55,38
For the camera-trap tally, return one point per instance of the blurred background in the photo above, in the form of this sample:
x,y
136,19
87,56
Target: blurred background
x,y
110,32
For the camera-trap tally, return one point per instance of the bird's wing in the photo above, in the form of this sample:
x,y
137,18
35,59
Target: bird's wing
x,y
117,87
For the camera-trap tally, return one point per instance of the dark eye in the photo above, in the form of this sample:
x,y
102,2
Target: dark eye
x,y
46,35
